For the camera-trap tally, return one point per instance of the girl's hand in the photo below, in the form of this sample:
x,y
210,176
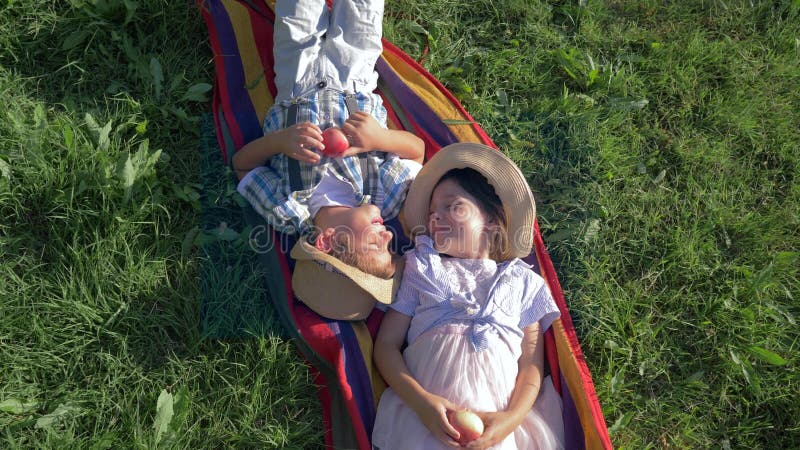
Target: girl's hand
x,y
496,427
297,142
364,133
433,414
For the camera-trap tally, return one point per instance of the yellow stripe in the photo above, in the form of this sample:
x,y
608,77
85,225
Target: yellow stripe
x,y
255,79
431,95
365,343
568,366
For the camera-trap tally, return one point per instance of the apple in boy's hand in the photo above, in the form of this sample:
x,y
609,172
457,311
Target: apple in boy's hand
x,y
468,425
335,141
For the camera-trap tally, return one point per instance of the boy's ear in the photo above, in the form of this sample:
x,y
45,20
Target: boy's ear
x,y
324,241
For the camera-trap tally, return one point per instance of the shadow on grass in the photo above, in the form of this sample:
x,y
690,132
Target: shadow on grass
x,y
234,302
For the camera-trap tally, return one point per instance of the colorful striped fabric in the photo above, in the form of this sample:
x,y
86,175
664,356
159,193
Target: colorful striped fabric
x,y
339,352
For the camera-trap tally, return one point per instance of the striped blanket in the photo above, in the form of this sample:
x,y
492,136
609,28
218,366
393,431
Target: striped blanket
x,y
339,352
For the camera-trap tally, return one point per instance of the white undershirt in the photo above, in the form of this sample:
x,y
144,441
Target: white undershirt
x,y
331,191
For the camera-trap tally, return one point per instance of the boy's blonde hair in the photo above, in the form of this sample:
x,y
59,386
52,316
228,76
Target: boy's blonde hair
x,y
344,251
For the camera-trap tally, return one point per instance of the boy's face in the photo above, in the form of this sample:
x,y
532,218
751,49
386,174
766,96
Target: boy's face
x,y
365,233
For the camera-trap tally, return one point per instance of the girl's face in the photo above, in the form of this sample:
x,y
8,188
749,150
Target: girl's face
x,y
457,225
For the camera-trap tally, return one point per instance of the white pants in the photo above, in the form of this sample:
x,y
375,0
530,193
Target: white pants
x,y
316,47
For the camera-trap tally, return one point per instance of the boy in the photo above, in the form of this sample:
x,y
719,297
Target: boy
x,y
325,75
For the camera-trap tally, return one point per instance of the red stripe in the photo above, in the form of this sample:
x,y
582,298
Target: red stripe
x,y
220,75
551,353
548,271
374,321
263,37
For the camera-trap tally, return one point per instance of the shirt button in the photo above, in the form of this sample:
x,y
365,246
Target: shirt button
x,y
472,311
322,84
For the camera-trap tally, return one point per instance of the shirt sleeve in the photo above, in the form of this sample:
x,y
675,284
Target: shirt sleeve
x,y
396,175
538,304
407,298
264,190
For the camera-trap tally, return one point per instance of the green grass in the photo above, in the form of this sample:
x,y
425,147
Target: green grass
x,y
660,139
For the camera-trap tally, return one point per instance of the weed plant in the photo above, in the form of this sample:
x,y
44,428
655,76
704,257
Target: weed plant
x,y
660,140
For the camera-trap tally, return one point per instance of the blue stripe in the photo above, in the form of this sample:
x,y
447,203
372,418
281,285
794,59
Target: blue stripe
x,y
242,107
356,370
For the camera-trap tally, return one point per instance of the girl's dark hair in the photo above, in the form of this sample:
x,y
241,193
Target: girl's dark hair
x,y
476,185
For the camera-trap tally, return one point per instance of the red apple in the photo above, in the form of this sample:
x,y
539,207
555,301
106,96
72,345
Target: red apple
x,y
335,141
468,425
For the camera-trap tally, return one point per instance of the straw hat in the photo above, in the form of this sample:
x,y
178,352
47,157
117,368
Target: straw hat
x,y
337,290
508,181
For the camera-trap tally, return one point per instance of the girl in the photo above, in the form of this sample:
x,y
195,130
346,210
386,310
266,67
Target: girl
x,y
471,311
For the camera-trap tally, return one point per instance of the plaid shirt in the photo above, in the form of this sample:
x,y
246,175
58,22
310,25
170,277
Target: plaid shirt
x,y
379,178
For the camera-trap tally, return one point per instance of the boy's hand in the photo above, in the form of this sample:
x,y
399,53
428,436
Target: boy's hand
x,y
299,140
364,133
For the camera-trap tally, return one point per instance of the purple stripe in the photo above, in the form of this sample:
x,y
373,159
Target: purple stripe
x,y
573,430
240,104
356,372
226,137
533,261
414,107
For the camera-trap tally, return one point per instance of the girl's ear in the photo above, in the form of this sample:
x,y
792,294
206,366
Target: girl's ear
x,y
324,241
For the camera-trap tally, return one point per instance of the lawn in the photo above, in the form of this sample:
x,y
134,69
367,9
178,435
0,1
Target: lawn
x,y
661,140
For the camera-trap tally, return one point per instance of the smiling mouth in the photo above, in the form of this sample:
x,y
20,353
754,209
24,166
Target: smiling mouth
x,y
439,229
378,220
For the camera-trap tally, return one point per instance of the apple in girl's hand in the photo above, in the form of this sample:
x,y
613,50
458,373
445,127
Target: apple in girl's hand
x,y
468,425
335,141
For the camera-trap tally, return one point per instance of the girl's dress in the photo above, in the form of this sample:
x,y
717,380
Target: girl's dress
x,y
464,343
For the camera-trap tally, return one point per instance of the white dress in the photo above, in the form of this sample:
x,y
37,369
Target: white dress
x,y
444,360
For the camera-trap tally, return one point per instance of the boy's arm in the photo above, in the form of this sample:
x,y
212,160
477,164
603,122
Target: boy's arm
x,y
367,135
294,142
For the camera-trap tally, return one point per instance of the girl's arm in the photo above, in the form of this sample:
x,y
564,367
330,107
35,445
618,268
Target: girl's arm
x,y
294,142
431,409
500,424
367,135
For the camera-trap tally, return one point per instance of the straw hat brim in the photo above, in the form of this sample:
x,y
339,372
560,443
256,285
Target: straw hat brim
x,y
502,173
337,290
